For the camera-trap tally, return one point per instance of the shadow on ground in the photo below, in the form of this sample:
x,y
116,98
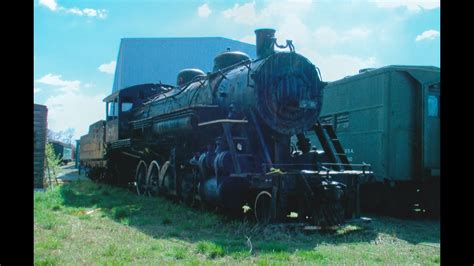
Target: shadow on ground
x,y
162,218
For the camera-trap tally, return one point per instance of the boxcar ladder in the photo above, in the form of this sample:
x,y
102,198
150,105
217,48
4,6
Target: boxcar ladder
x,y
332,146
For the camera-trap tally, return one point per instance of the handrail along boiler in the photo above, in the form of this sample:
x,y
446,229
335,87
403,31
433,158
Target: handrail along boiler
x,y
224,139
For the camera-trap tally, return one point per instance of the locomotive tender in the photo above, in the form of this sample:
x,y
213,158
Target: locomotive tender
x,y
223,139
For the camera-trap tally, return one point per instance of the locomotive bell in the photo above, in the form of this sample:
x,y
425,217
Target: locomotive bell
x,y
187,75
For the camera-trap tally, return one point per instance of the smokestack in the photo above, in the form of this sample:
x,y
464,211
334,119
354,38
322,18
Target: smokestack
x,y
265,43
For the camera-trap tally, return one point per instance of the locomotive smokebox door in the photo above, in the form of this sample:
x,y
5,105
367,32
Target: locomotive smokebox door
x,y
289,93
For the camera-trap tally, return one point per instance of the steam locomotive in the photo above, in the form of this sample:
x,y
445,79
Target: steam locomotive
x,y
223,140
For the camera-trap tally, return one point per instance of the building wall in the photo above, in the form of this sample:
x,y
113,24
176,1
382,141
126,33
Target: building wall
x,y
154,60
39,143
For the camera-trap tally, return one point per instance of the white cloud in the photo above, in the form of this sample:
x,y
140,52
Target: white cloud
x,y
56,81
243,14
89,12
75,11
204,11
411,5
51,4
293,28
101,13
108,68
328,36
269,15
36,90
357,33
428,35
248,39
333,66
337,66
319,45
69,107
301,1
313,43
74,110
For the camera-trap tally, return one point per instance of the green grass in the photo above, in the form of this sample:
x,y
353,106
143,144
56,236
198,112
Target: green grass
x,y
87,223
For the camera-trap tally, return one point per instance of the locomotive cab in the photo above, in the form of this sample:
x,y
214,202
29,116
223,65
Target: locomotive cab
x,y
119,106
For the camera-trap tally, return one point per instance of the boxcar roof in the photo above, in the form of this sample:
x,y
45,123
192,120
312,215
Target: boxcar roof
x,y
424,74
61,143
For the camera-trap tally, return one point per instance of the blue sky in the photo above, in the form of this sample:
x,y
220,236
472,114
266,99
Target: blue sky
x,y
76,42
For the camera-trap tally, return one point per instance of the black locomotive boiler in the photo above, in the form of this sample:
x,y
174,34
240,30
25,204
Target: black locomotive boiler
x,y
223,139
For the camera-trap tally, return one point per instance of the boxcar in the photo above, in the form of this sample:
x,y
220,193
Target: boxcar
x,y
389,117
63,150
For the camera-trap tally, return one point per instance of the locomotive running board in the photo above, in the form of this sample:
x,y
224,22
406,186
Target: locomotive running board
x,y
234,121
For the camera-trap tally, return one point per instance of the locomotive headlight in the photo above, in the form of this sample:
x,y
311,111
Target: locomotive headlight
x,y
239,147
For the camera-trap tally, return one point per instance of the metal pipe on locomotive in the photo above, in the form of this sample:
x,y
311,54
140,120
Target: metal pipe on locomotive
x,y
223,139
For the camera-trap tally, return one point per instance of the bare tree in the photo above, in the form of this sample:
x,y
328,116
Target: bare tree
x,y
51,135
68,134
63,136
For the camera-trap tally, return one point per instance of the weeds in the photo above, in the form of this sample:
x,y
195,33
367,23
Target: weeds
x,y
97,224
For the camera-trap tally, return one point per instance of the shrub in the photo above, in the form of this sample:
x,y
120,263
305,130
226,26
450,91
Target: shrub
x,y
52,162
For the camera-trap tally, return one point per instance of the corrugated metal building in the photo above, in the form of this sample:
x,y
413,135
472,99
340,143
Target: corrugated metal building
x,y
151,60
40,113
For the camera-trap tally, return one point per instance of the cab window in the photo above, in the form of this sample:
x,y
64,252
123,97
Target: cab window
x,y
126,104
112,110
